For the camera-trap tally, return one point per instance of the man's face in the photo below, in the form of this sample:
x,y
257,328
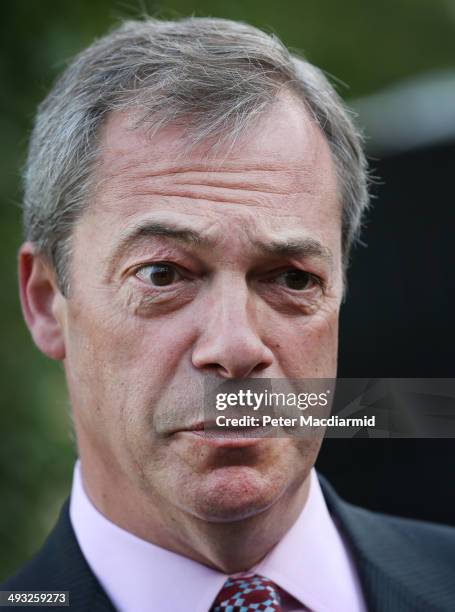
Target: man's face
x,y
189,269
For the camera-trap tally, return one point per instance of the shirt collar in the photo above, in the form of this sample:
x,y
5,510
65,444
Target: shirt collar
x,y
311,562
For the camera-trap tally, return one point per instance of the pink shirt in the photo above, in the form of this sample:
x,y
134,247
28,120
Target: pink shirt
x,y
311,563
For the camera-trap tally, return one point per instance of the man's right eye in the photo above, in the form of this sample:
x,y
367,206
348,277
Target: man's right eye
x,y
159,274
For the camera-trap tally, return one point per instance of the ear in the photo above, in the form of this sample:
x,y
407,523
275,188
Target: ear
x,y
41,302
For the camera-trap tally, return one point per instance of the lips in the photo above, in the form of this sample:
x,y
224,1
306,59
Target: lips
x,y
211,430
199,427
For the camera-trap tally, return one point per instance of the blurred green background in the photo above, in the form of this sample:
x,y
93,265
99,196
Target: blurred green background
x,y
367,45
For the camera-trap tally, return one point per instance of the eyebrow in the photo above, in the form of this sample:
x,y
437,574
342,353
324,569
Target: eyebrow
x,y
297,247
158,228
149,229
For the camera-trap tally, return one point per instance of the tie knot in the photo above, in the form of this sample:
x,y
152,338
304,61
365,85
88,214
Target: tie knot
x,y
248,594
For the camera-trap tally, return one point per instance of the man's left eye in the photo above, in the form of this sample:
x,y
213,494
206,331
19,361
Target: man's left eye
x,y
159,274
295,279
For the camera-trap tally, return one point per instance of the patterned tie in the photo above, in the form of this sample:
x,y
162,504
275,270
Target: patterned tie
x,y
248,594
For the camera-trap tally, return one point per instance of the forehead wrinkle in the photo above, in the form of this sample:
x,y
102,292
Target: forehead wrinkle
x,y
232,187
279,182
235,197
197,166
123,146
135,179
136,154
128,163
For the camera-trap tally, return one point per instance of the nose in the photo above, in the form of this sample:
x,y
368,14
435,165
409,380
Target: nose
x,y
229,343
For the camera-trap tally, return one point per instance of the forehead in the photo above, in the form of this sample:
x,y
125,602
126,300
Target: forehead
x,y
285,140
278,173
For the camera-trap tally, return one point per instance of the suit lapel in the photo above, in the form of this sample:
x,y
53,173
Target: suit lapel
x,y
394,571
61,566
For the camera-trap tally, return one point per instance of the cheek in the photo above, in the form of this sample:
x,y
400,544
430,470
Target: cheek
x,y
307,347
115,359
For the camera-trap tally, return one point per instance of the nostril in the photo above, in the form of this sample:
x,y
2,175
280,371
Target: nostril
x,y
214,368
259,368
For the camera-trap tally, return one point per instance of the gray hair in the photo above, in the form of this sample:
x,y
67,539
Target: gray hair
x,y
212,76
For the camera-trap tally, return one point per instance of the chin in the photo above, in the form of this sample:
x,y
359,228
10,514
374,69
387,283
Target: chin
x,y
233,494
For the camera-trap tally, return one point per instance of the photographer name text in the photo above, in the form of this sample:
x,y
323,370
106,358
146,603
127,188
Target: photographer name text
x,y
300,421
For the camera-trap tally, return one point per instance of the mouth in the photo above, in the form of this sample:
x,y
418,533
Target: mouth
x,y
208,432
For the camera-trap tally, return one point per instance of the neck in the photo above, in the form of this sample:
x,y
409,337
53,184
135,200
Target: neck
x,y
229,547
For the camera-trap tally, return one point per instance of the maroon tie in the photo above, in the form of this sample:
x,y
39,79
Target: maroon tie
x,y
247,594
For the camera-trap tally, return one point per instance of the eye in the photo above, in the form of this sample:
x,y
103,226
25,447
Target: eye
x,y
159,274
295,279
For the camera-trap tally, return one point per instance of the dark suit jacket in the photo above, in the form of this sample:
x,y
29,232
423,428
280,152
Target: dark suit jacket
x,y
404,565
